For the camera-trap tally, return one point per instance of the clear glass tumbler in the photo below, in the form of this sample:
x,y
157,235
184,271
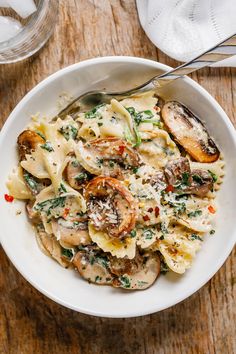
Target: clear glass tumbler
x,y
35,32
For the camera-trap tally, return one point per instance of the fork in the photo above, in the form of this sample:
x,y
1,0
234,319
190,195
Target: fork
x,y
88,100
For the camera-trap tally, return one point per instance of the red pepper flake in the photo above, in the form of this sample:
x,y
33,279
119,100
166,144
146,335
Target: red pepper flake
x,y
211,209
8,198
146,218
157,211
121,149
150,210
66,212
170,188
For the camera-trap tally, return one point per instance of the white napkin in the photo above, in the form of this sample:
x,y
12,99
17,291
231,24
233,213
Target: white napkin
x,y
184,28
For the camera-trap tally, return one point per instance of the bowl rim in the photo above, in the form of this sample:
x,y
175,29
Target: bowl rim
x,y
125,59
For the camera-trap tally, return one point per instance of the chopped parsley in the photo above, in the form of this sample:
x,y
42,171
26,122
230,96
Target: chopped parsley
x,y
75,163
128,136
125,282
185,178
99,161
142,116
66,252
47,146
133,233
195,213
111,164
41,135
193,237
48,205
212,232
94,113
81,177
62,189
213,175
138,137
98,278
135,169
30,181
148,234
69,132
100,124
198,179
103,261
184,181
164,267
179,207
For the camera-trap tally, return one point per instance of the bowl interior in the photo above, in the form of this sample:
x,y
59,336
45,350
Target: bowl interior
x,y
65,286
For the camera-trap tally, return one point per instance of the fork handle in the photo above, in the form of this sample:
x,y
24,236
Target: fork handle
x,y
222,50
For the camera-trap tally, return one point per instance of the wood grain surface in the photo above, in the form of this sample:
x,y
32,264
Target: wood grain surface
x,y
31,323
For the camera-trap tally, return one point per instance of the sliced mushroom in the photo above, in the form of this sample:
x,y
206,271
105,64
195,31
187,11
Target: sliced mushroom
x,y
101,268
202,183
71,233
27,142
33,215
175,170
50,246
139,273
93,265
34,184
111,207
185,181
189,132
107,157
76,175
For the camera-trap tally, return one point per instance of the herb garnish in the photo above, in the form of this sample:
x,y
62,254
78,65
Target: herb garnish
x,y
47,146
83,176
164,267
62,189
66,252
94,113
41,135
30,181
198,179
194,237
49,204
69,132
148,234
133,233
213,175
125,282
195,213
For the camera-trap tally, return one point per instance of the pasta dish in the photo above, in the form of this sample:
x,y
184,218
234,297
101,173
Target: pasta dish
x,y
121,193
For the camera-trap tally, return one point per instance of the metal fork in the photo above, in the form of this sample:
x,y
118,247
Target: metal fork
x,y
88,100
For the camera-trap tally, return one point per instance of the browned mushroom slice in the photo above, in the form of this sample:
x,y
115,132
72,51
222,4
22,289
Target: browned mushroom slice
x,y
189,132
71,233
50,246
177,171
111,207
139,273
107,157
76,175
93,266
27,141
33,215
185,181
202,183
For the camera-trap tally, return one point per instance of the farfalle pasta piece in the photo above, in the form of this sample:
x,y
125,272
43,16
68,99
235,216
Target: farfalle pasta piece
x,y
117,247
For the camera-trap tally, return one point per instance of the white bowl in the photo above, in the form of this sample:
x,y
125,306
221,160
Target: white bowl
x,y
65,286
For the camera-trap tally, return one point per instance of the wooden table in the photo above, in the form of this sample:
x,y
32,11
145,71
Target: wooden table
x,y
31,323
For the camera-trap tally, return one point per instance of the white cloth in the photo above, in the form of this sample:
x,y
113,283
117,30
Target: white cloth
x,y
184,28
